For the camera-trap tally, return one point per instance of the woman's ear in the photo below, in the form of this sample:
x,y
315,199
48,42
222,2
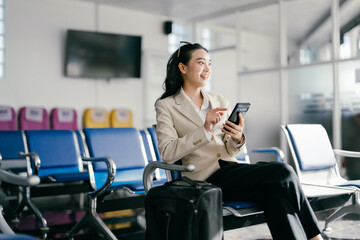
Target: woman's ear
x,y
182,68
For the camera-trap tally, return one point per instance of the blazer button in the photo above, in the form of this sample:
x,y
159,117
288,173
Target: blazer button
x,y
218,155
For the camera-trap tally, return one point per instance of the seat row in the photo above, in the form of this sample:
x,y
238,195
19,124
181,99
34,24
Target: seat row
x,y
101,160
81,161
36,118
93,160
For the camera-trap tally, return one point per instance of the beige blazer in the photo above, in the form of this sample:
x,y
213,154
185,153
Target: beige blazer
x,y
181,135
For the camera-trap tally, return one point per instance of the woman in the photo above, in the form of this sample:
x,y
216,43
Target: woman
x,y
192,126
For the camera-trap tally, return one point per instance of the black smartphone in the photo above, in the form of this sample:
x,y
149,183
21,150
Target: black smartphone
x,y
239,107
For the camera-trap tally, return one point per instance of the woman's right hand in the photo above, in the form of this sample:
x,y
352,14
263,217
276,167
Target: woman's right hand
x,y
213,117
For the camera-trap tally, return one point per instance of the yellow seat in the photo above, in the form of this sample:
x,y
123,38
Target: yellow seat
x,y
118,215
96,118
121,118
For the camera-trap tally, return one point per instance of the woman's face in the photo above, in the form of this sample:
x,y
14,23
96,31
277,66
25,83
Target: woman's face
x,y
197,71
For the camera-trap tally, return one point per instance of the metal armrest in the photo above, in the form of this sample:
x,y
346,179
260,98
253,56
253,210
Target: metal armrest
x,y
18,180
13,164
111,173
34,159
152,166
347,153
278,152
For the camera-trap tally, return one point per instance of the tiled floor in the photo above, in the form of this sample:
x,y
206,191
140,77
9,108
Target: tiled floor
x,y
346,228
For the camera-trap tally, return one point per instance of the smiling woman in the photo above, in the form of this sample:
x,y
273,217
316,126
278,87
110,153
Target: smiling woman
x,y
192,126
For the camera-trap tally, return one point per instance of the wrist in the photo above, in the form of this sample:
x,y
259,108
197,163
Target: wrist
x,y
239,140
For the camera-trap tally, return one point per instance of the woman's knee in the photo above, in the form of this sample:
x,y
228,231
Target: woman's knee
x,y
285,172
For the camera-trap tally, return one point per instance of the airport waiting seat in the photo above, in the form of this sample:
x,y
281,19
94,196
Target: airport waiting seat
x,y
14,179
14,161
152,155
7,118
59,153
33,118
61,170
121,118
118,159
238,214
315,162
96,118
11,144
63,118
14,158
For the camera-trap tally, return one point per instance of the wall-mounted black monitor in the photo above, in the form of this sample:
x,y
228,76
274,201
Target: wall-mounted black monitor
x,y
102,55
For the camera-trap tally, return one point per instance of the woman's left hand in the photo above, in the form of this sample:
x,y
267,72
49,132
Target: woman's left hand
x,y
235,131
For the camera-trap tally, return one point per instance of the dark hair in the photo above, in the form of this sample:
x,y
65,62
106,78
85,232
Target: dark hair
x,y
173,80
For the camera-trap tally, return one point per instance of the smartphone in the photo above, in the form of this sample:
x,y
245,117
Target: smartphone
x,y
239,107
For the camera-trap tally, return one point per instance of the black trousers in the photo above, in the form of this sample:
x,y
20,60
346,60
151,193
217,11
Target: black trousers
x,y
276,188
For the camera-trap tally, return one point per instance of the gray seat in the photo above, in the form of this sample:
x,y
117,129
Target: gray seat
x,y
315,164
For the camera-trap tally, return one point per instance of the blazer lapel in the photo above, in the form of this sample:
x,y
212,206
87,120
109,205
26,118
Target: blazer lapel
x,y
214,102
184,107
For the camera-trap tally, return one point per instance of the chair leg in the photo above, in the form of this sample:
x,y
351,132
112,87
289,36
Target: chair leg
x,y
4,227
92,219
26,202
44,229
84,221
353,208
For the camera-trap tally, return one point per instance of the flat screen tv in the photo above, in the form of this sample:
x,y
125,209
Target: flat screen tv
x,y
102,55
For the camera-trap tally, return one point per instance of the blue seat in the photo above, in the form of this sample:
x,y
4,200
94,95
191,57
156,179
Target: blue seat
x,y
118,159
15,159
16,237
152,155
11,144
11,178
59,153
61,170
315,163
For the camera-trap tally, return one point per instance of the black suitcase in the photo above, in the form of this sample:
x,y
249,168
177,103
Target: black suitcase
x,y
184,209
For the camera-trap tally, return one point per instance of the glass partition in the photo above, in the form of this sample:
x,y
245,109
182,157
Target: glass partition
x,y
349,78
262,121
311,95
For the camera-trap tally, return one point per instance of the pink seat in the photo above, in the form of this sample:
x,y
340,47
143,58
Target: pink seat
x,y
7,118
63,118
33,118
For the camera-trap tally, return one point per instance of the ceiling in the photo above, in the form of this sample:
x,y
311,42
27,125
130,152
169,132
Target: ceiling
x,y
188,10
306,18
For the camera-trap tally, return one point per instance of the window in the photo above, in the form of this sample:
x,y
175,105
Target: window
x,y
349,47
2,38
180,32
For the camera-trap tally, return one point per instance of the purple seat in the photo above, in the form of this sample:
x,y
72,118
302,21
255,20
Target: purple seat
x,y
33,118
7,118
64,119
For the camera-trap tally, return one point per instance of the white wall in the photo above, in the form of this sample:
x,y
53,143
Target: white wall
x,y
35,41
